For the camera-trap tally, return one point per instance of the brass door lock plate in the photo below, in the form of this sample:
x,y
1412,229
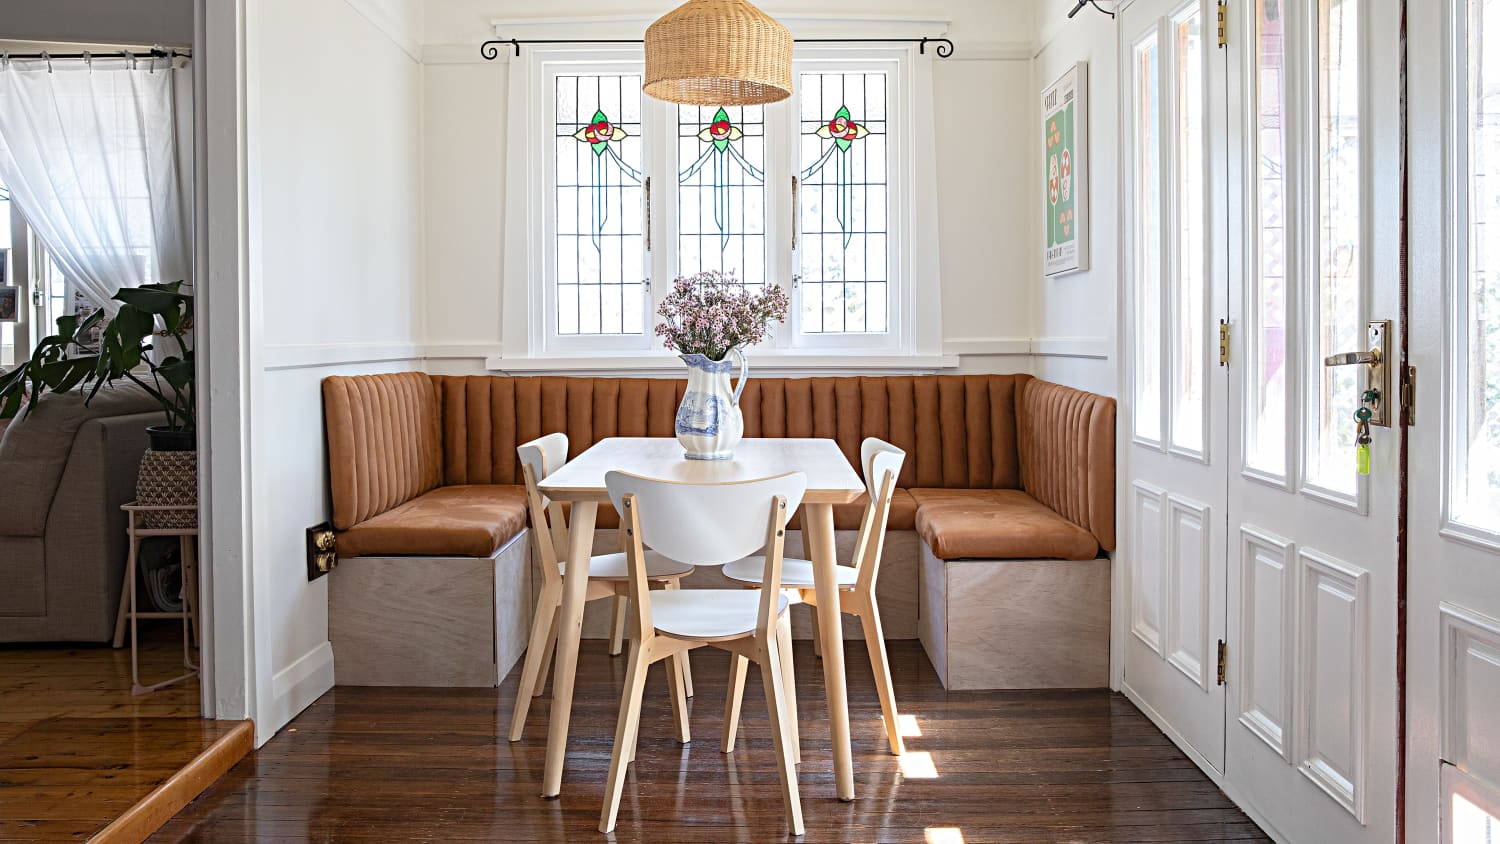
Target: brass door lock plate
x,y
1375,386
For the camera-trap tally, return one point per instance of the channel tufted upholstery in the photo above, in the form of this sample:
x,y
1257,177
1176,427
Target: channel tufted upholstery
x,y
964,435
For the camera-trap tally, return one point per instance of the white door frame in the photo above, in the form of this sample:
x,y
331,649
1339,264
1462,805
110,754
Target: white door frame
x,y
224,349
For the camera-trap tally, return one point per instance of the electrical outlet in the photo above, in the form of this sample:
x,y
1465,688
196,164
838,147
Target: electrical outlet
x,y
322,550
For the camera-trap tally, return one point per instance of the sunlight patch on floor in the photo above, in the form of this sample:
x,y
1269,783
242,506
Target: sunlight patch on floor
x,y
907,724
944,835
917,765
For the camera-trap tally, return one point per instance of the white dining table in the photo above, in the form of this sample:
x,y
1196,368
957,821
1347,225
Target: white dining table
x,y
830,480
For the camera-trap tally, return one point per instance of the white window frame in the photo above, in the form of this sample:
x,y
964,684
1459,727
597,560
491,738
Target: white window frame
x,y
530,338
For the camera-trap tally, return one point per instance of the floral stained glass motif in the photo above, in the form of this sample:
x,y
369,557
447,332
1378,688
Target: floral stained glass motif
x,y
721,191
598,260
843,131
843,255
602,136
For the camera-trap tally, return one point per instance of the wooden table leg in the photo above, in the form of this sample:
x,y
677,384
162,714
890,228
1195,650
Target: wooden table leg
x,y
569,630
818,524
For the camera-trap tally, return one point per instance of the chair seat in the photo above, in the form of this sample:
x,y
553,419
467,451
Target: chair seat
x,y
707,614
615,567
796,574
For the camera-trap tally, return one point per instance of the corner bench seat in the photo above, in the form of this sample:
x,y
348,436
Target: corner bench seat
x,y
466,520
997,524
1003,506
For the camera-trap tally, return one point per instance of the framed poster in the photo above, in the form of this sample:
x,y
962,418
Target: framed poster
x,y
10,304
1065,172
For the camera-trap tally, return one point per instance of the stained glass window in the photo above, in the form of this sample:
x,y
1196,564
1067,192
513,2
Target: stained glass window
x,y
721,191
843,224
599,241
1147,241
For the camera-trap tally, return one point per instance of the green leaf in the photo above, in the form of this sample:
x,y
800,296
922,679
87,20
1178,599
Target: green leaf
x,y
152,299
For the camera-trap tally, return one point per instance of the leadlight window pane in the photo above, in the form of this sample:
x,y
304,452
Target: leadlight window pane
x,y
1265,423
721,191
1191,314
844,261
1338,327
1148,244
1475,492
599,240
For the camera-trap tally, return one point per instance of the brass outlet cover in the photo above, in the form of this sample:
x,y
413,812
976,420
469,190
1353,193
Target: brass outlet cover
x,y
322,550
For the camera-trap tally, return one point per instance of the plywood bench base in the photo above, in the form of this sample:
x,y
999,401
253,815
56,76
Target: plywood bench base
x,y
1016,624
429,621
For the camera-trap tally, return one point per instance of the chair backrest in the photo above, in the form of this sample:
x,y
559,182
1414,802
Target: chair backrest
x,y
881,463
704,524
540,458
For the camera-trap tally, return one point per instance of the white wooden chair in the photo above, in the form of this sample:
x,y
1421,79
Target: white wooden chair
x,y
608,578
709,524
881,462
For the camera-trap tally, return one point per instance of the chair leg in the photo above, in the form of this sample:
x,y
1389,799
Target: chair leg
x,y
817,639
619,610
786,767
625,733
875,641
687,662
124,613
737,667
190,584
789,683
679,699
548,653
534,670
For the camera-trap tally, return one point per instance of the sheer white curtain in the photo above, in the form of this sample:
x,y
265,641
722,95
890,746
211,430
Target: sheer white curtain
x,y
90,151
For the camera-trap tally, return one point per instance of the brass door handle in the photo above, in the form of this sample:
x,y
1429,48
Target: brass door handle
x,y
1353,358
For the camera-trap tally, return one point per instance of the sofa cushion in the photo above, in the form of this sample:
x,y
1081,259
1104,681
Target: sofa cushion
x,y
848,516
1066,439
450,521
997,524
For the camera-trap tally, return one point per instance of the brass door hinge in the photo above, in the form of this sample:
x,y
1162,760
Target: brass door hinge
x,y
1223,661
1223,342
1223,24
1409,394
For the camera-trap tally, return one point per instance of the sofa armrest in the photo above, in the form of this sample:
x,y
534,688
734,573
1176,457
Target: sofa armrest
x,y
1066,441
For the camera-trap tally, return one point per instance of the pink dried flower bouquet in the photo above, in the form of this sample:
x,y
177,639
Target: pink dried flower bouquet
x,y
710,313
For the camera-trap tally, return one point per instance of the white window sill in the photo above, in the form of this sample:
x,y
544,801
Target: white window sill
x,y
663,363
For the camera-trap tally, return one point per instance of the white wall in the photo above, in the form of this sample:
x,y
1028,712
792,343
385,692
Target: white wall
x,y
1075,316
136,22
334,146
982,99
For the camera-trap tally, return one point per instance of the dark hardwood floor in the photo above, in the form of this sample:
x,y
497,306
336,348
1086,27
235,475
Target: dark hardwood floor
x,y
372,764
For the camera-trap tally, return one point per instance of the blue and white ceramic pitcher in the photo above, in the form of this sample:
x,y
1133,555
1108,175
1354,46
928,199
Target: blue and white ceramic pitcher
x,y
709,424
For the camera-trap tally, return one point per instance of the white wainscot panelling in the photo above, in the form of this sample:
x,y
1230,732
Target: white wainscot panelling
x,y
1188,561
1266,600
1148,563
1332,677
1471,689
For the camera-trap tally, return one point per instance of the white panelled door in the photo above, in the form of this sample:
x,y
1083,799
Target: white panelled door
x,y
1247,517
1173,431
1453,507
1315,250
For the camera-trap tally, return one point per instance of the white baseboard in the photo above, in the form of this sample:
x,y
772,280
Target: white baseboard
x,y
293,689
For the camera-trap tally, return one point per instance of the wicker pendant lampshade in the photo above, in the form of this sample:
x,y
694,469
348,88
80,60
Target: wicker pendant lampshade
x,y
718,53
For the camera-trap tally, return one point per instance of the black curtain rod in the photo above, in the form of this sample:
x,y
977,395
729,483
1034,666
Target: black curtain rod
x,y
109,54
490,50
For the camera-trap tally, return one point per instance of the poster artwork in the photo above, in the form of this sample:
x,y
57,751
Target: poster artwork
x,y
1063,115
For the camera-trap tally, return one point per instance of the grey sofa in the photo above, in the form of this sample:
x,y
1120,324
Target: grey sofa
x,y
65,469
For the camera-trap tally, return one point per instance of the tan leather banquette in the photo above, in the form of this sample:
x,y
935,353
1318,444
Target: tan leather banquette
x,y
998,466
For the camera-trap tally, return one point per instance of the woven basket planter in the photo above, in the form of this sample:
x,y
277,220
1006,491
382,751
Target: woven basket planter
x,y
168,479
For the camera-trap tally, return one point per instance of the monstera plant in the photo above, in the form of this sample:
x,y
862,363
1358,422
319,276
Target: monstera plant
x,y
146,342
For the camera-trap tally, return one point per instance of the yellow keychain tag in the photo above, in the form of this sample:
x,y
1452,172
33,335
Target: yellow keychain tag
x,y
1362,459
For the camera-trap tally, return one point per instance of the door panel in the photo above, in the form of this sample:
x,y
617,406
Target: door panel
x,y
1314,239
1173,442
1453,529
